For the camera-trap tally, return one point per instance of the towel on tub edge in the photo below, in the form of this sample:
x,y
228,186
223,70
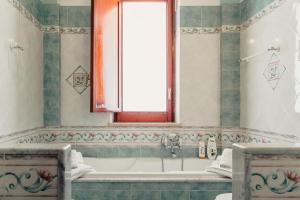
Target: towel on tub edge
x,y
79,169
226,159
216,168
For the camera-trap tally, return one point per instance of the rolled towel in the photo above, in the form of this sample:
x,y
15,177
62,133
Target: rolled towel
x,y
226,159
215,168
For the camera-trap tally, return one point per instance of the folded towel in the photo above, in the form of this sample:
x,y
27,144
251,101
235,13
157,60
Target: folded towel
x,y
226,159
215,168
80,171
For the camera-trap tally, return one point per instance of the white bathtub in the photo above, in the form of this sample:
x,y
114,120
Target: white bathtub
x,y
149,169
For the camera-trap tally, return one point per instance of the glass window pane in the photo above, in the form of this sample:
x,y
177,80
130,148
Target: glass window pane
x,y
144,56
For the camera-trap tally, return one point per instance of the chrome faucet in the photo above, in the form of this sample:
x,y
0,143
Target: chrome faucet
x,y
173,142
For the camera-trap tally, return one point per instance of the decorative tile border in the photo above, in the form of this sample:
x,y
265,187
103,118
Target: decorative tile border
x,y
234,28
25,13
231,28
12,137
184,30
75,30
145,135
271,136
211,30
50,28
200,30
264,12
132,135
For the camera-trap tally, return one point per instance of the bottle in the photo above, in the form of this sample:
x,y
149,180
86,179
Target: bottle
x,y
201,149
211,148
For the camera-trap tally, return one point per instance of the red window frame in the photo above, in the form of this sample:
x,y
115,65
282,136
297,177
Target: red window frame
x,y
97,81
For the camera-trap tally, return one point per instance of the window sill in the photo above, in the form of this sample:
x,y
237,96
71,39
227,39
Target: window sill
x,y
127,124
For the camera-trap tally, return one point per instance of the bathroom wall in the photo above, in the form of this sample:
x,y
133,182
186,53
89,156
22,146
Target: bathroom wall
x,y
199,68
199,100
270,81
21,77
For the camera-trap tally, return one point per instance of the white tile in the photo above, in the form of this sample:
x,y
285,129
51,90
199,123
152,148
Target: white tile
x,y
200,80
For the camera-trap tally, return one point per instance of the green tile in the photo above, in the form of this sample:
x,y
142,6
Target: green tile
x,y
175,195
121,152
231,14
204,195
230,42
211,16
229,1
32,6
63,16
230,119
49,14
230,80
168,186
51,81
150,152
79,16
146,195
211,186
190,152
230,61
145,186
190,16
100,186
230,99
101,195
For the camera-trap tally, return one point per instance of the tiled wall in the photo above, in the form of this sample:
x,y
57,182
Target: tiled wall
x,y
270,82
21,76
211,25
149,190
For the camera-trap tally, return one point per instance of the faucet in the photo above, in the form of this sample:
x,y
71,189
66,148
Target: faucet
x,y
172,142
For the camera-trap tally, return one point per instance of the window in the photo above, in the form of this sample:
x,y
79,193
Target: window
x,y
132,60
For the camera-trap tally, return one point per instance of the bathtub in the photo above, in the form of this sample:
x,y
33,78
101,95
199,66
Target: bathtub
x,y
149,169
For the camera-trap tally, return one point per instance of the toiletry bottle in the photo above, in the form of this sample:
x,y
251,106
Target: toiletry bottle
x,y
212,148
201,149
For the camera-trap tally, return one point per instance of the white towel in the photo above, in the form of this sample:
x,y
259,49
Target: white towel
x,y
215,168
76,159
226,159
80,171
74,162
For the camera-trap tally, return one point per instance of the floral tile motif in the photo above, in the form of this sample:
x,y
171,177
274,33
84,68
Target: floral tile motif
x,y
282,182
79,79
274,71
32,181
